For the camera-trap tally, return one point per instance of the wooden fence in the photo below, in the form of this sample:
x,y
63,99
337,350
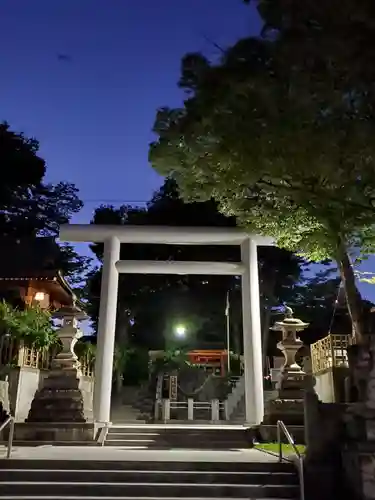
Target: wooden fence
x,y
16,353
329,353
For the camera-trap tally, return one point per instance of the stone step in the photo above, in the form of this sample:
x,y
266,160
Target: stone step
x,y
182,429
112,480
124,412
162,465
54,497
147,476
183,438
167,446
184,435
32,443
132,432
140,489
132,435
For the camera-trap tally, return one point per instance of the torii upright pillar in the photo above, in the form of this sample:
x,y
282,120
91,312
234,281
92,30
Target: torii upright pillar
x,y
106,332
252,336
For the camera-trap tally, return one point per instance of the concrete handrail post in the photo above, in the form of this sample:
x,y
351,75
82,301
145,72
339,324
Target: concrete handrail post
x,y
166,410
215,416
226,410
190,402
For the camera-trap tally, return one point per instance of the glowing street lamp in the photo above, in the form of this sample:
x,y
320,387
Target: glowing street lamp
x,y
180,331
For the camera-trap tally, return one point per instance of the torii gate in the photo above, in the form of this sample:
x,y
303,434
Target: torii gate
x,y
113,236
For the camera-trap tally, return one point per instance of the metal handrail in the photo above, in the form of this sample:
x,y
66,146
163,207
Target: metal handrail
x,y
9,421
299,458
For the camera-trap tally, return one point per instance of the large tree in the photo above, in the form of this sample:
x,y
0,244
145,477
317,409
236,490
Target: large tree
x,y
30,207
148,306
280,132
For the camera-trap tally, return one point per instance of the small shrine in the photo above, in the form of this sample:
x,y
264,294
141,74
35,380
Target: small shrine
x,y
30,275
216,359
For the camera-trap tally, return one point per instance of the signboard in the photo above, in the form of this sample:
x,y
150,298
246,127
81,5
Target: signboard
x,y
173,388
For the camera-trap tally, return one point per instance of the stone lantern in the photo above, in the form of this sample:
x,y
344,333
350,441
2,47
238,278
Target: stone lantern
x,y
61,399
69,333
291,376
287,402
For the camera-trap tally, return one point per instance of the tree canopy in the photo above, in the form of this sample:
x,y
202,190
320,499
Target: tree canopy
x,y
30,207
32,326
279,132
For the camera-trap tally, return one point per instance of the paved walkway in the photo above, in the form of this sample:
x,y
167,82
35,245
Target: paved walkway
x,y
118,453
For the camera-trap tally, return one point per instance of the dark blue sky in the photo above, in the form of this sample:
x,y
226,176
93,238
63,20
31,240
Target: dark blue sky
x,y
93,114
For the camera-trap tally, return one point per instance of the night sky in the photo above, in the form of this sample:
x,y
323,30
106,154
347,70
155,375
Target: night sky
x,y
85,77
93,111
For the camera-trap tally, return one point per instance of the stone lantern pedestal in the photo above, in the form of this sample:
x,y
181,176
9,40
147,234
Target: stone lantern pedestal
x,y
57,410
288,405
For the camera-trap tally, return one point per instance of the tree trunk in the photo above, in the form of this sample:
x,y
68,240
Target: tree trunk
x,y
122,327
122,339
266,323
353,297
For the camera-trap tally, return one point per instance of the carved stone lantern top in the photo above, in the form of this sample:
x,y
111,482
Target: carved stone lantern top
x,y
70,312
289,325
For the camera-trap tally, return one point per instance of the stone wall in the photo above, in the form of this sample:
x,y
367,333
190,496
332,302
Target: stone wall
x,y
330,385
18,387
341,437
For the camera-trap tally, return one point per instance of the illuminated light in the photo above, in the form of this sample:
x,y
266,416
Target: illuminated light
x,y
39,296
180,331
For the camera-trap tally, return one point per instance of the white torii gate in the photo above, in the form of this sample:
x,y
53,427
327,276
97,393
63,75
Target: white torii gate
x,y
113,236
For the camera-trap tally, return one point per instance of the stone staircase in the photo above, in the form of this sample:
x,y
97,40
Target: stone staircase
x,y
133,404
178,437
238,414
236,399
122,413
144,402
144,480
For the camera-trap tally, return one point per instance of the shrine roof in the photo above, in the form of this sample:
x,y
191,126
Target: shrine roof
x,y
32,259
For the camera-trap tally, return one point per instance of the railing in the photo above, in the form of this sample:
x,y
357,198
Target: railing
x,y
299,459
329,352
190,405
16,353
9,421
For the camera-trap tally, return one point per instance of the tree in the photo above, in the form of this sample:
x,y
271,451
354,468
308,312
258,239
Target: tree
x,y
279,132
29,207
21,166
32,326
151,306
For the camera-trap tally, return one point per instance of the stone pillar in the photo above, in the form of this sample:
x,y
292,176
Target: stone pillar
x,y
60,399
252,337
292,377
106,332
